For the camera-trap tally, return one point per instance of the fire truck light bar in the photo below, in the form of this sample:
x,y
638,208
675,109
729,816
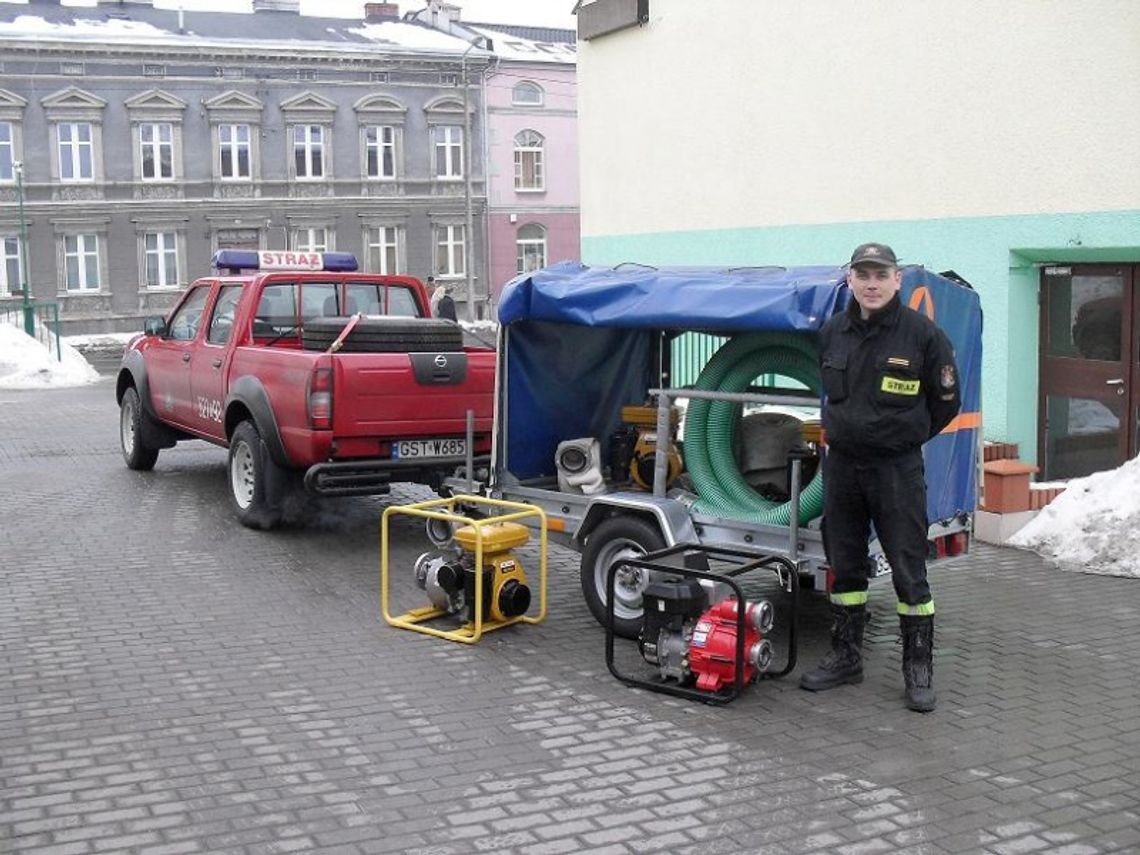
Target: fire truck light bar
x,y
235,260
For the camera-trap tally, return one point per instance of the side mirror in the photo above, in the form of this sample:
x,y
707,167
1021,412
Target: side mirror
x,y
154,326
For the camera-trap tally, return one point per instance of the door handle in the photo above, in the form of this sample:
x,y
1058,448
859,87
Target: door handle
x,y
217,363
1119,381
186,357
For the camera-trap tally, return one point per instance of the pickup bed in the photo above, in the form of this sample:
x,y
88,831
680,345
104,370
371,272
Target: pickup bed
x,y
313,376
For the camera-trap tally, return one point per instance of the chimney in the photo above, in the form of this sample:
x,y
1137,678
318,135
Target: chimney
x,y
293,6
378,11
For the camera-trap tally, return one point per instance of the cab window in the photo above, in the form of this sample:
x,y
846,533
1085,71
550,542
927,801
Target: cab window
x,y
185,322
377,299
276,310
222,318
402,303
318,300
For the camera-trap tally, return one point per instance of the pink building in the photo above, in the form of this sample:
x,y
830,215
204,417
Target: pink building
x,y
532,150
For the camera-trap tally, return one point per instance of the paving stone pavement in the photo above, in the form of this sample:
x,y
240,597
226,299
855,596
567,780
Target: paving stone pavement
x,y
173,683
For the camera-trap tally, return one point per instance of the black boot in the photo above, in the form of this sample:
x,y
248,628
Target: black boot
x,y
918,665
844,664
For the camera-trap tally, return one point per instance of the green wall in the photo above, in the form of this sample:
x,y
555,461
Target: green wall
x,y
1000,256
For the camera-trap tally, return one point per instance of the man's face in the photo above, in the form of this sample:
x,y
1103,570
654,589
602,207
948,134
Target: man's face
x,y
873,285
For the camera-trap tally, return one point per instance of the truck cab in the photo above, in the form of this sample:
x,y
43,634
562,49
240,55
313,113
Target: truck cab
x,y
342,379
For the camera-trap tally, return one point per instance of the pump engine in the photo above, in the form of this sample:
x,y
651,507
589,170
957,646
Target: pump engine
x,y
690,642
449,580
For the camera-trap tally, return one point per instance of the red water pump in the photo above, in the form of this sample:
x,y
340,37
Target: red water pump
x,y
712,650
688,641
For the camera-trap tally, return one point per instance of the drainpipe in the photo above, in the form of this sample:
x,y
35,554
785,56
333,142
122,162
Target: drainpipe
x,y
29,312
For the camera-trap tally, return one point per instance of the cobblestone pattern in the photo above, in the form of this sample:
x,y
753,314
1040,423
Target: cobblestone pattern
x,y
173,683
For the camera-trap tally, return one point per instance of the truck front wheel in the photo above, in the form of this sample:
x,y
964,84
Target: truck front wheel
x,y
617,538
249,487
138,455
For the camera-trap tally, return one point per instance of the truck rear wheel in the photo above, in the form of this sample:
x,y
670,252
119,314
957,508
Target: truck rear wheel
x,y
249,485
617,538
138,455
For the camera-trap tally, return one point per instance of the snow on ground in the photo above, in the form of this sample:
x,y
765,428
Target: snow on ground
x,y
1094,526
115,339
26,363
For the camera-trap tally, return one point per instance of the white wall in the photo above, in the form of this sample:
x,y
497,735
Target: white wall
x,y
730,113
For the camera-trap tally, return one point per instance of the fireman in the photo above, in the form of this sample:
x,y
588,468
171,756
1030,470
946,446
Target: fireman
x,y
890,384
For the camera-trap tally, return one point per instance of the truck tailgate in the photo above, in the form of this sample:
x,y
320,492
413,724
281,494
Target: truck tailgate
x,y
399,395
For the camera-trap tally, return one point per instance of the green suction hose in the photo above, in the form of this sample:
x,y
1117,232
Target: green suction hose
x,y
710,426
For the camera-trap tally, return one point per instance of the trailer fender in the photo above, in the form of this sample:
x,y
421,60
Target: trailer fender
x,y
669,515
248,395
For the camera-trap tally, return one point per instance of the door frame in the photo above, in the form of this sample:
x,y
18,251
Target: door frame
x,y
1089,377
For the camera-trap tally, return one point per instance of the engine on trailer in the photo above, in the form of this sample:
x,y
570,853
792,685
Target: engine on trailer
x,y
689,641
450,580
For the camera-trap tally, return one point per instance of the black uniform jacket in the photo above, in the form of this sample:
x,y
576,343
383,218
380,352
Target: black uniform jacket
x,y
890,382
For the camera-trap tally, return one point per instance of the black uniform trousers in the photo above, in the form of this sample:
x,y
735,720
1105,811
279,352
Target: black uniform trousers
x,y
889,492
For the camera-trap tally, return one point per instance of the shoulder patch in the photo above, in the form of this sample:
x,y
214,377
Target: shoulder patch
x,y
946,377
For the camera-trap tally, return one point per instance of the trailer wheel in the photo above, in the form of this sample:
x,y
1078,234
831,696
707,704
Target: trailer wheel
x,y
617,538
249,487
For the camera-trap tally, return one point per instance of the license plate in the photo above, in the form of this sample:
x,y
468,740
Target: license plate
x,y
408,449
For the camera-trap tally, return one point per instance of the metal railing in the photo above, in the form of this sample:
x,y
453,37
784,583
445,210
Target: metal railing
x,y
44,323
689,353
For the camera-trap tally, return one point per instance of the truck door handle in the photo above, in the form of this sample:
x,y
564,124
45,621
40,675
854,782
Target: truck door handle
x,y
217,363
1119,381
186,357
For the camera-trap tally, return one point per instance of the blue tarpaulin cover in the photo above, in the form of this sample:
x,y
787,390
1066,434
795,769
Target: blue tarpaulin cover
x,y
579,346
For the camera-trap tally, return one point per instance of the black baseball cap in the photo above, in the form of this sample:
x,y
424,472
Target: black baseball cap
x,y
878,254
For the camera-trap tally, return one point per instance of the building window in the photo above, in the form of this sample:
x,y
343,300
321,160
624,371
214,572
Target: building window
x,y
527,94
528,161
156,143
7,151
382,245
11,278
312,239
308,151
448,142
81,262
234,150
380,151
76,152
449,251
160,259
531,248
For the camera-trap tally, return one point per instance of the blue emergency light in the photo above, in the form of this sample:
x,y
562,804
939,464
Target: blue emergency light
x,y
236,260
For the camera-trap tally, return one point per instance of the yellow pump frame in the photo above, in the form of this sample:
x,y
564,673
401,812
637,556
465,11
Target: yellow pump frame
x,y
444,509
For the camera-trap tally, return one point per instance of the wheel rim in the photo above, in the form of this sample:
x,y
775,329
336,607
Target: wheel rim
x,y
629,582
242,475
127,426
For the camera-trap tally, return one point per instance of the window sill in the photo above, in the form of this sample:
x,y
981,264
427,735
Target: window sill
x,y
530,191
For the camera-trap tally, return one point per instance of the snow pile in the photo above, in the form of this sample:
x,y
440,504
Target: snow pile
x,y
1094,526
100,340
26,363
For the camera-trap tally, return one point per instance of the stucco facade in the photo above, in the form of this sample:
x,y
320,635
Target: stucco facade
x,y
145,150
996,140
519,209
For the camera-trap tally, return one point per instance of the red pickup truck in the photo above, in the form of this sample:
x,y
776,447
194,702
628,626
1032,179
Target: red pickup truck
x,y
311,374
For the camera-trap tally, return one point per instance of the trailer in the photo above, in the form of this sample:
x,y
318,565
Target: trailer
x,y
629,399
